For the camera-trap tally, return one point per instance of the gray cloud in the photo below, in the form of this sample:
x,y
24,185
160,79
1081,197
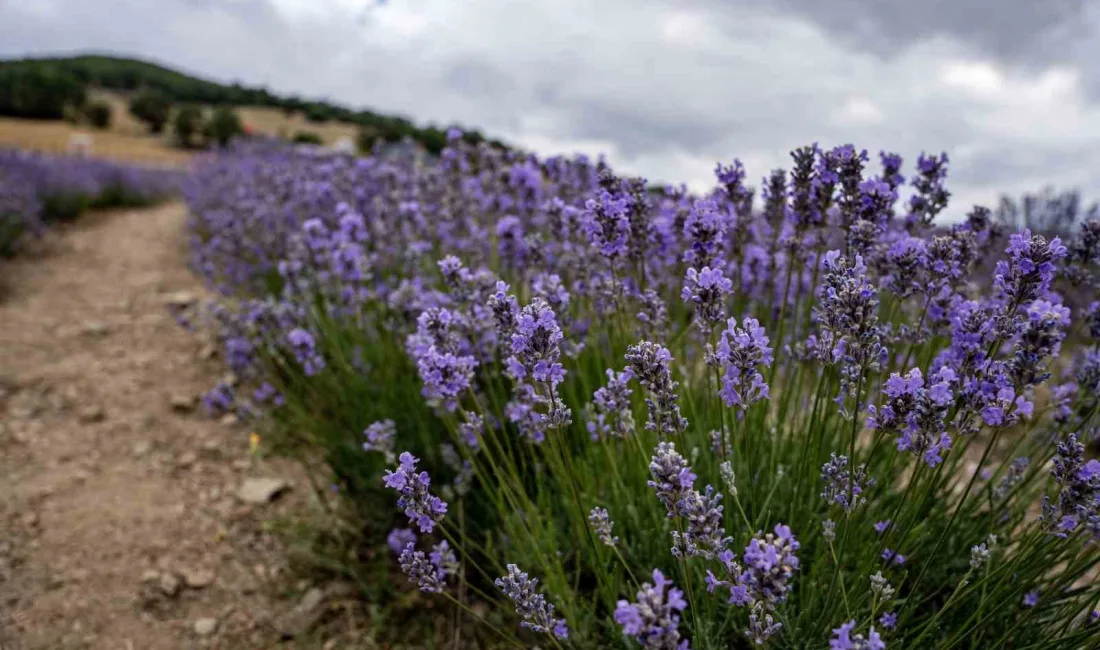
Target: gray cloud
x,y
665,88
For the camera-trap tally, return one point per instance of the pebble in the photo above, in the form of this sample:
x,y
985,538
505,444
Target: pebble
x,y
142,448
198,578
261,490
92,414
169,584
187,459
206,626
94,328
182,403
179,299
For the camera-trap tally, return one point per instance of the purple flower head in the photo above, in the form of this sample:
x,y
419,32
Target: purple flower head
x,y
916,412
441,355
881,526
1078,499
930,196
612,415
844,639
706,291
601,524
770,564
741,349
704,230
1031,598
889,620
654,619
381,437
1029,270
420,506
649,363
305,352
399,538
431,571
842,486
606,222
534,345
535,612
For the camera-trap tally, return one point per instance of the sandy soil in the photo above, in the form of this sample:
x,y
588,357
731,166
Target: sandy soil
x,y
121,526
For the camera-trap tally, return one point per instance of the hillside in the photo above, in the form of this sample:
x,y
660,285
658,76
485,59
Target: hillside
x,y
124,75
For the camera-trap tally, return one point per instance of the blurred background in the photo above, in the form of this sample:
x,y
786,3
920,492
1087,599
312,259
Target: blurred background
x,y
664,89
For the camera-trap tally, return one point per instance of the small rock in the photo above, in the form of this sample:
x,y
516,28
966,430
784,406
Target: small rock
x,y
183,403
92,414
94,328
142,448
187,459
206,626
305,614
150,576
261,490
229,420
169,584
198,578
30,520
208,351
180,299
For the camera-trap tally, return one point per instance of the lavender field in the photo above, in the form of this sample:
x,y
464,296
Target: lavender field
x,y
553,406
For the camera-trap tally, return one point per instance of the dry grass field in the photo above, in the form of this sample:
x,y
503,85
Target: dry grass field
x,y
127,139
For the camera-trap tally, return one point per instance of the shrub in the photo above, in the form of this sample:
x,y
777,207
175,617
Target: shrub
x,y
307,137
152,107
187,124
639,419
34,92
224,125
98,114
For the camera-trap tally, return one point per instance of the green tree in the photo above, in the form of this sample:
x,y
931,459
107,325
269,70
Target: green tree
x,y
39,92
307,137
223,125
187,124
98,114
152,107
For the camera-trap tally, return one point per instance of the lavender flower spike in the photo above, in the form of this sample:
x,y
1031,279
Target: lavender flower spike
x,y
537,615
654,619
420,506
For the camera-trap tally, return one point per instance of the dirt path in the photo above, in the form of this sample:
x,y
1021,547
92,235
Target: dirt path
x,y
121,526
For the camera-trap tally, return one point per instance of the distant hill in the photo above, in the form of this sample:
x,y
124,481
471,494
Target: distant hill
x,y
129,74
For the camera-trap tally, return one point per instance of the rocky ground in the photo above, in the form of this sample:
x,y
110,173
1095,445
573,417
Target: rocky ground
x,y
129,520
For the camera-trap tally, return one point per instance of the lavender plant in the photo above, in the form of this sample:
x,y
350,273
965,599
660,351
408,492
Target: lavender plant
x,y
824,420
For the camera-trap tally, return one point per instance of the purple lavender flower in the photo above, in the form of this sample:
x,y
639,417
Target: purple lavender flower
x,y
420,506
649,363
601,525
1040,339
1027,274
889,620
881,526
654,620
305,352
606,222
534,346
846,315
916,413
893,557
471,429
381,437
740,351
843,486
1031,598
770,564
672,477
761,624
930,197
430,572
844,639
704,229
706,291
535,613
441,359
1079,490
612,416
399,538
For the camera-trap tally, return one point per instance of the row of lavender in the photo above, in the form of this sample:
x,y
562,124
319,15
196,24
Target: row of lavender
x,y
629,417
37,188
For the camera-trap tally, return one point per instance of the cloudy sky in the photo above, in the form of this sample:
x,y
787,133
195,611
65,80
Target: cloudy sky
x,y
664,88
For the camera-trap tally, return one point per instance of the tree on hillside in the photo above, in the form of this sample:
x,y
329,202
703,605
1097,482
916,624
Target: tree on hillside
x,y
152,107
40,93
187,124
98,114
223,126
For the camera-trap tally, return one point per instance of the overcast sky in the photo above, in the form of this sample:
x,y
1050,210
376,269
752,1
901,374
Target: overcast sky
x,y
1009,88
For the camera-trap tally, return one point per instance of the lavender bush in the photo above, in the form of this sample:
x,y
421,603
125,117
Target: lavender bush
x,y
635,418
38,188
